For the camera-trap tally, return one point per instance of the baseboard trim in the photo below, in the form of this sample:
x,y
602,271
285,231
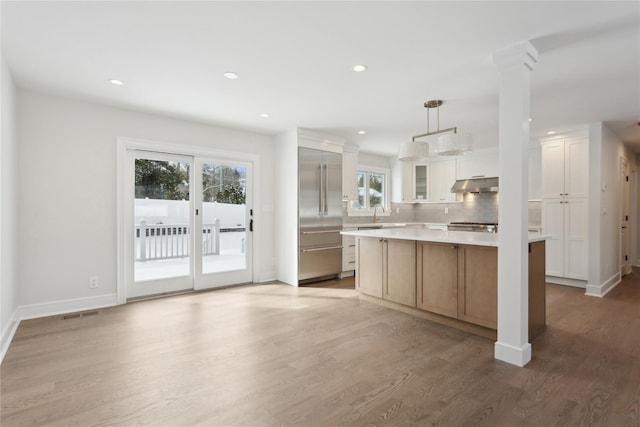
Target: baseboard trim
x,y
34,311
513,355
601,290
566,281
8,334
267,276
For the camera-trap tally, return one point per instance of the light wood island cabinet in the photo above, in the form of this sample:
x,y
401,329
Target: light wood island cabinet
x,y
386,269
452,283
399,279
459,281
437,276
478,285
369,266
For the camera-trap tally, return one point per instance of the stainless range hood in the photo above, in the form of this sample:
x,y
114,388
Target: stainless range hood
x,y
476,185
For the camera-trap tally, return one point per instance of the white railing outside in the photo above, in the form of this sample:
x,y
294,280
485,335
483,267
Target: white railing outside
x,y
167,241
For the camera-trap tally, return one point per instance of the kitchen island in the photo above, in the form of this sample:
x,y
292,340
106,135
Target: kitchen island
x,y
449,277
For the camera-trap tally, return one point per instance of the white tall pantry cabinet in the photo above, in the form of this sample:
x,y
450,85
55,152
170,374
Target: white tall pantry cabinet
x,y
564,208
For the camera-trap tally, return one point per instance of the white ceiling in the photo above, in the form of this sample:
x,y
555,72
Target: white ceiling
x,y
295,62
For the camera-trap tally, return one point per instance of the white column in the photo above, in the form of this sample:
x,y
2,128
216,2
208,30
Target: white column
x,y
514,63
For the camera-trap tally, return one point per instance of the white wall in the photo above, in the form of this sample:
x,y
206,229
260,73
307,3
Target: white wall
x,y
8,209
67,164
286,208
605,151
375,160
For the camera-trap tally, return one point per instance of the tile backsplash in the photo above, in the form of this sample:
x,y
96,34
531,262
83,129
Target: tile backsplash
x,y
481,207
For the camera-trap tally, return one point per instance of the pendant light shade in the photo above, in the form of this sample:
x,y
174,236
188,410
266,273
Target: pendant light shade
x,y
411,151
448,143
453,144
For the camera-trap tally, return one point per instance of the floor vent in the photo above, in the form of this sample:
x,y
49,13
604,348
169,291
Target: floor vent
x,y
89,313
71,316
78,315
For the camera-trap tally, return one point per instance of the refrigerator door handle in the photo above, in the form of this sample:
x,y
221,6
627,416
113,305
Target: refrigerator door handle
x,y
326,248
321,232
320,189
326,185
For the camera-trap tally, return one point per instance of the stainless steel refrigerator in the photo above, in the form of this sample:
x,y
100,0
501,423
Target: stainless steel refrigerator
x,y
320,214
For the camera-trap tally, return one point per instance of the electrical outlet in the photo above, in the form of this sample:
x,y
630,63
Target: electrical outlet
x,y
446,210
93,282
397,210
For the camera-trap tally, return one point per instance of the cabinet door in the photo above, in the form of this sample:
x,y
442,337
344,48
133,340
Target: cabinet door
x,y
399,271
553,225
576,179
369,266
478,285
442,176
421,181
449,178
407,171
437,276
479,164
552,169
575,238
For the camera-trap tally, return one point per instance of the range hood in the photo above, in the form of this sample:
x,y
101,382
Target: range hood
x,y
476,185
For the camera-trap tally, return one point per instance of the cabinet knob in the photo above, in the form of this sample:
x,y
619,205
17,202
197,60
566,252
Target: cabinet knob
x,y
454,247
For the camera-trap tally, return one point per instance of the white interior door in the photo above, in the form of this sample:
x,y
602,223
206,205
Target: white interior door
x,y
159,223
223,213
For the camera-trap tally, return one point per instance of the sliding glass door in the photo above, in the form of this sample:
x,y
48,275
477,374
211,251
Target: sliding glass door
x,y
189,221
224,251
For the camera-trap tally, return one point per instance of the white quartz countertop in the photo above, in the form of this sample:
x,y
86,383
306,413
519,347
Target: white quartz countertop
x,y
423,235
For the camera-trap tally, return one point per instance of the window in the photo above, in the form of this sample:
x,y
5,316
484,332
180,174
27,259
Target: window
x,y
372,188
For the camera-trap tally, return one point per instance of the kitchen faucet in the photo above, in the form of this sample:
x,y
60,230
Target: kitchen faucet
x,y
375,217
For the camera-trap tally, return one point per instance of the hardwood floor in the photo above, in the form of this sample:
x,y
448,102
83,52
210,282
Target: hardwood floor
x,y
276,355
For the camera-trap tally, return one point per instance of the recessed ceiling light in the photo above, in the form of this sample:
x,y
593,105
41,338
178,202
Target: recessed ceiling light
x,y
530,120
551,132
264,115
362,132
116,82
359,68
230,75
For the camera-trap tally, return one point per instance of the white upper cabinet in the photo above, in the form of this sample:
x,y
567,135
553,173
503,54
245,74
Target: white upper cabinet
x,y
349,171
442,177
481,163
564,168
421,182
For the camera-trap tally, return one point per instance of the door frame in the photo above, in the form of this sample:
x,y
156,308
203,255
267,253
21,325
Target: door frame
x,y
625,196
123,144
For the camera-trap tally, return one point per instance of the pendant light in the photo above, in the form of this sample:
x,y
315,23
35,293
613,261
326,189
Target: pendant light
x,y
449,143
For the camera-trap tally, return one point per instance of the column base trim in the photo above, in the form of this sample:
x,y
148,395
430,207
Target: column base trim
x,y
513,355
604,288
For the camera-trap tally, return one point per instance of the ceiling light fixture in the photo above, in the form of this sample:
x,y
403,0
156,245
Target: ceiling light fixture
x,y
359,68
362,132
230,75
449,143
551,132
116,82
265,115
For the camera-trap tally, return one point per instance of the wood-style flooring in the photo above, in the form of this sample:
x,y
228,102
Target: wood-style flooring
x,y
267,355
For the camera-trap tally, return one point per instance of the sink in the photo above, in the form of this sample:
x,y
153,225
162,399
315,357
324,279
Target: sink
x,y
380,225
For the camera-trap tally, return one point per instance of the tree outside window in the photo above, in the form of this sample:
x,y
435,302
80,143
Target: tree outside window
x,y
371,189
